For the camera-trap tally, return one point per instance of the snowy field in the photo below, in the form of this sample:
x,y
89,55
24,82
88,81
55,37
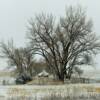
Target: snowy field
x,y
29,92
36,92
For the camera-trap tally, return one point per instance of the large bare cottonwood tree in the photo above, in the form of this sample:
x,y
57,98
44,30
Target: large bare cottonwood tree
x,y
64,44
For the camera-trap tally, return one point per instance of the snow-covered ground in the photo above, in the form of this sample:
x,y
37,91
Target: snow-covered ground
x,y
7,80
11,91
35,91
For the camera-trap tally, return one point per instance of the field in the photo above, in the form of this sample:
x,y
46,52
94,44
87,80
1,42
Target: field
x,y
45,89
51,92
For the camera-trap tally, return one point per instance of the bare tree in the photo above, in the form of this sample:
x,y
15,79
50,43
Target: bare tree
x,y
19,57
63,44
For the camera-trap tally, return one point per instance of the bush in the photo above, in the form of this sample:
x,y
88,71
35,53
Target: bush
x,y
23,78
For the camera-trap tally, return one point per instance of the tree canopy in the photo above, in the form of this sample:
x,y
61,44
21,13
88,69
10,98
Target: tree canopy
x,y
64,44
19,57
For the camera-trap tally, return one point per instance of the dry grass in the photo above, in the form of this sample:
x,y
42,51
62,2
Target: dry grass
x,y
60,97
7,74
44,81
56,97
54,92
97,90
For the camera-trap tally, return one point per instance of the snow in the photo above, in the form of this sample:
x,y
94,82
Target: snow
x,y
7,80
43,73
45,90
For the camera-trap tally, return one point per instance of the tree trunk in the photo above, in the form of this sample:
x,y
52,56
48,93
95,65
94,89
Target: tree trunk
x,y
61,76
69,74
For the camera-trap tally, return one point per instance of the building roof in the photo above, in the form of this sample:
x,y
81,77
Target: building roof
x,y
43,73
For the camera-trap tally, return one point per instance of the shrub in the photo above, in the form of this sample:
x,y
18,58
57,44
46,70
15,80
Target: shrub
x,y
23,78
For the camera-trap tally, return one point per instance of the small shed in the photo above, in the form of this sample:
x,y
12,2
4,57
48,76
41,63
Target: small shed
x,y
43,74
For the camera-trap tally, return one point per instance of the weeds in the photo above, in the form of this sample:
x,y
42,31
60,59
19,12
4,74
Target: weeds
x,y
57,97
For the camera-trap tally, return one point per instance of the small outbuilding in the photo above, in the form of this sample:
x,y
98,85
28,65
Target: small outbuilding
x,y
43,74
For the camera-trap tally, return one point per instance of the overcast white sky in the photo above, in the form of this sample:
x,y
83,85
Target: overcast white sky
x,y
15,13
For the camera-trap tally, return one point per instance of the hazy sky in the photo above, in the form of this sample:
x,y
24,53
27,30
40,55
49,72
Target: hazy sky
x,y
14,15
